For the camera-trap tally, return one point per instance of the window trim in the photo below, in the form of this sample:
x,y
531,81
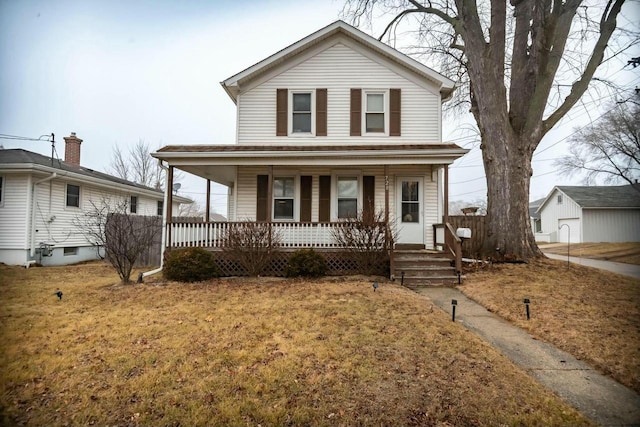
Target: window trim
x,y
295,198
66,196
70,251
133,207
290,113
3,192
334,189
385,111
159,207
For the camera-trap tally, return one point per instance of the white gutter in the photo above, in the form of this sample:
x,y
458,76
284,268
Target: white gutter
x,y
32,245
164,224
98,182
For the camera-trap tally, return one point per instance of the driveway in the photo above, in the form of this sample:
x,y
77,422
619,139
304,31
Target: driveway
x,y
616,267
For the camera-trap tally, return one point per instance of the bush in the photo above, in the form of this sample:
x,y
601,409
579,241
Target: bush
x,y
190,265
306,263
253,245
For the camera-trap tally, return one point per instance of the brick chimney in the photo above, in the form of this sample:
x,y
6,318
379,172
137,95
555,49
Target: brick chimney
x,y
72,149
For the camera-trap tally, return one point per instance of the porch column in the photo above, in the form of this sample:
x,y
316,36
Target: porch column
x,y
168,208
207,217
445,211
270,202
387,231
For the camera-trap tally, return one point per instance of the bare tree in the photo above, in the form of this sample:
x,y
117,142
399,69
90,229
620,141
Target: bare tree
x,y
524,65
123,237
137,165
610,148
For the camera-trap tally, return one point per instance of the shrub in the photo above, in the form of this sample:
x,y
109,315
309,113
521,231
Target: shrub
x,y
306,263
190,265
367,239
253,245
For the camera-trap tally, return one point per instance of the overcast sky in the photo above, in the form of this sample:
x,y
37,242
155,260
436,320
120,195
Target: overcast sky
x,y
115,72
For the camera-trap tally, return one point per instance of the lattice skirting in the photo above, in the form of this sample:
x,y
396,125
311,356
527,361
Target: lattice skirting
x,y
339,263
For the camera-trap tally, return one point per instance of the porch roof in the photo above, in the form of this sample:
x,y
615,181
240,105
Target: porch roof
x,y
196,159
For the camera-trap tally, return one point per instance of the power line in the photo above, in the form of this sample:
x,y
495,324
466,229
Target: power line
x,y
26,138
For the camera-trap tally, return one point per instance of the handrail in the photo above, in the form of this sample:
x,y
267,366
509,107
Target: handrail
x,y
456,247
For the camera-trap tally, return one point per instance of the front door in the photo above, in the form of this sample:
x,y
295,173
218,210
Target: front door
x,y
409,207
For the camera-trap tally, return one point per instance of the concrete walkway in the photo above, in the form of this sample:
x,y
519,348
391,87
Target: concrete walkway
x,y
598,397
617,267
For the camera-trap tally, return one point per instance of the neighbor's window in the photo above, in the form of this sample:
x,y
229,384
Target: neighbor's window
x,y
559,199
347,197
374,111
73,195
301,112
133,204
70,251
283,198
160,207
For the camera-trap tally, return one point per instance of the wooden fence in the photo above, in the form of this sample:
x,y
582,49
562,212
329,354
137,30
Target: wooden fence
x,y
470,247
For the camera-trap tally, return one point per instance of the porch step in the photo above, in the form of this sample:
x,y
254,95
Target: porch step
x,y
423,268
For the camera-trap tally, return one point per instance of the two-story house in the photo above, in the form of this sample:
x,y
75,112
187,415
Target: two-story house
x,y
334,124
43,199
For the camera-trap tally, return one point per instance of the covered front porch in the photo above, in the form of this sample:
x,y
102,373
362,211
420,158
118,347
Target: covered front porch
x,y
305,193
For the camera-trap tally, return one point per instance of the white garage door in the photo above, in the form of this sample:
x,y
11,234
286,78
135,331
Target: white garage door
x,y
572,231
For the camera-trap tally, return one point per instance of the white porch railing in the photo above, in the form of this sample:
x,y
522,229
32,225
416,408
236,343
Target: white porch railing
x,y
291,234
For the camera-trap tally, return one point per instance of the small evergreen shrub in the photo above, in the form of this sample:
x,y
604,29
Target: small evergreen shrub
x,y
306,263
190,265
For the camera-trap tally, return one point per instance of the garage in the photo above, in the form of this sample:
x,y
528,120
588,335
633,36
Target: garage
x,y
569,228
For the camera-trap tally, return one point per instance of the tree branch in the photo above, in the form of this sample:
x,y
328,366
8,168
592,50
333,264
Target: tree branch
x,y
607,27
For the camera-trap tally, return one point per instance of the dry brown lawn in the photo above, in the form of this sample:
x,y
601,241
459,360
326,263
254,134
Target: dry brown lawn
x,y
247,352
619,252
592,314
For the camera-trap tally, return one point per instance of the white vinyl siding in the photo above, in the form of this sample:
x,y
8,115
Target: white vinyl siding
x,y
339,68
246,191
611,225
552,212
13,213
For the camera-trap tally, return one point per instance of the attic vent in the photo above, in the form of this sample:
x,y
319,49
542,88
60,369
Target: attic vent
x,y
559,199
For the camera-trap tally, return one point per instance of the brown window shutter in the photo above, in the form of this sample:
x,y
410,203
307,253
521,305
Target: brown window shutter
x,y
305,198
394,112
262,198
369,196
321,112
324,199
356,112
282,99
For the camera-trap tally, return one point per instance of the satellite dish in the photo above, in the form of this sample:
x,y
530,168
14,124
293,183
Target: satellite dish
x,y
176,187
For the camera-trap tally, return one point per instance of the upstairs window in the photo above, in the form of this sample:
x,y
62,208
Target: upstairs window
x,y
160,207
347,192
374,112
133,204
283,198
73,195
301,112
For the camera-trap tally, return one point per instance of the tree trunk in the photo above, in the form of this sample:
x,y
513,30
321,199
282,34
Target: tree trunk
x,y
508,168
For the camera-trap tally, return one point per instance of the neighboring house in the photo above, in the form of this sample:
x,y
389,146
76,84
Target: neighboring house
x,y
591,214
40,198
534,215
334,124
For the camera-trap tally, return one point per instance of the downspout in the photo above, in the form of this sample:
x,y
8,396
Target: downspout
x,y
32,251
164,225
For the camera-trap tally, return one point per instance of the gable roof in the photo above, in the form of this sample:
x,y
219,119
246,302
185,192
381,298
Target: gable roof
x,y
533,208
23,158
231,85
622,196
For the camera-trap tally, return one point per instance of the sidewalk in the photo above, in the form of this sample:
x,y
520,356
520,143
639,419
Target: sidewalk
x,y
616,267
598,397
